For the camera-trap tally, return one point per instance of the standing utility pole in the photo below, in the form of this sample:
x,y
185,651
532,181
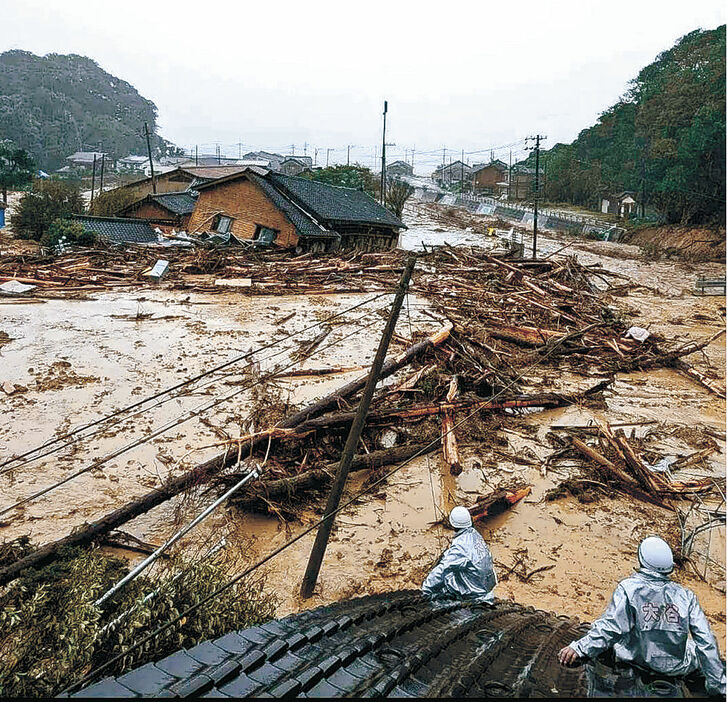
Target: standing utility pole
x,y
538,137
151,163
348,155
509,179
383,157
324,530
103,161
196,155
461,181
93,177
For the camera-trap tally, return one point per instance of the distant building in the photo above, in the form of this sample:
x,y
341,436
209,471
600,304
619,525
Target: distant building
x,y
295,165
623,204
132,163
82,160
487,177
274,161
451,173
399,168
2,214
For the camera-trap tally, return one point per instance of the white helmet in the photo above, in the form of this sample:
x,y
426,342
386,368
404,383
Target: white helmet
x,y
460,518
655,554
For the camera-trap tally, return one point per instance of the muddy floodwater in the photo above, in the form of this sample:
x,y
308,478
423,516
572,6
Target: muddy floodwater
x,y
69,362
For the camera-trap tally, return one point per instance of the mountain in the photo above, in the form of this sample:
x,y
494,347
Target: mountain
x,y
665,137
55,105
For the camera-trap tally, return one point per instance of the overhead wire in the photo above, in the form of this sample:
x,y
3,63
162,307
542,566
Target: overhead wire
x,y
188,381
215,593
172,423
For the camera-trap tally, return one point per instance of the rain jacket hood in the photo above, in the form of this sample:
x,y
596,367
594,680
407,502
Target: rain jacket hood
x,y
648,622
465,568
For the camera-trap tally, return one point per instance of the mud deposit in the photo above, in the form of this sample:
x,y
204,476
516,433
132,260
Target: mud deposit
x,y
77,360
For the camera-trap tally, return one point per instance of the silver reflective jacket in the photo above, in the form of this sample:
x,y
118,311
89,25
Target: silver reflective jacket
x,y
649,622
465,568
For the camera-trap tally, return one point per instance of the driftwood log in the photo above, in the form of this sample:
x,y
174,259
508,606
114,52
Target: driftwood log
x,y
203,472
262,491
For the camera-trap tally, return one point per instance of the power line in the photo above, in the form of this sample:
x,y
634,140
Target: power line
x,y
188,381
169,425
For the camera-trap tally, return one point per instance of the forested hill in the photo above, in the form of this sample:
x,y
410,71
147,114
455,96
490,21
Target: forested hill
x,y
666,135
54,105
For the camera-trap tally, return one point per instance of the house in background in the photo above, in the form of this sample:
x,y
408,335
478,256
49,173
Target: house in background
x,y
177,179
82,160
262,206
164,209
273,161
455,172
487,177
399,168
295,165
622,205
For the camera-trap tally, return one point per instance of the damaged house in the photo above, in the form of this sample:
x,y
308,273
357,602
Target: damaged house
x,y
272,208
171,209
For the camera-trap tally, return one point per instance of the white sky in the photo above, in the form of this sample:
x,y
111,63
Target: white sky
x,y
461,75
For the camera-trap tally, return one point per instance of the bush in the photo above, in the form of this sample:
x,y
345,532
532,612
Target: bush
x,y
48,201
51,633
66,232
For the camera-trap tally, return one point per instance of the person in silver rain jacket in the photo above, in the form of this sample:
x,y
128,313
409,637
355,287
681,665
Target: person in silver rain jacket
x,y
654,623
465,568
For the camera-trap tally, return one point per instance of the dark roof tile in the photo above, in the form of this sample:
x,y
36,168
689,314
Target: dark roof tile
x,y
180,203
119,230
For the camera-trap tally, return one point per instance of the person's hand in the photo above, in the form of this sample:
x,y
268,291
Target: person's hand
x,y
567,656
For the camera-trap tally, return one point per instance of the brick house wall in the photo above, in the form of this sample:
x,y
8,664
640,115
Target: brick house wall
x,y
247,205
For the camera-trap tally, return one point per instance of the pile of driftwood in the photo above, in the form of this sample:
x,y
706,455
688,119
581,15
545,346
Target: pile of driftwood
x,y
616,462
505,319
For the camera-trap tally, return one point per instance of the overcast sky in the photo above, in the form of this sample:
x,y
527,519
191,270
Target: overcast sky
x,y
461,75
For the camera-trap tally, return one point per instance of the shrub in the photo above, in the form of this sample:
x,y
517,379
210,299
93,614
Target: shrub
x,y
51,633
49,200
66,232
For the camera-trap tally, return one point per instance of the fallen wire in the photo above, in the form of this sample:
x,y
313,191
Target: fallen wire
x,y
171,424
182,384
160,402
295,539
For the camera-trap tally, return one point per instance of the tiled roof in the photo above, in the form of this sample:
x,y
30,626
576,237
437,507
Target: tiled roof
x,y
180,203
332,204
392,644
303,224
119,230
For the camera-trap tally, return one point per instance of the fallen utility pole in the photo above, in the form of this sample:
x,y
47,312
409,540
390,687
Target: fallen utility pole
x,y
205,471
324,530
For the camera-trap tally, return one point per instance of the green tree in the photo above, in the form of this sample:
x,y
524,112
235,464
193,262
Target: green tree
x,y
664,138
356,176
16,168
49,200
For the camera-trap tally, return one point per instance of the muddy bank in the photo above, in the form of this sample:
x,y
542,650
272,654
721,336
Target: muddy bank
x,y
696,244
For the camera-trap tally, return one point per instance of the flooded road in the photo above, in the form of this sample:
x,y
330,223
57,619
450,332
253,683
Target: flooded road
x,y
73,361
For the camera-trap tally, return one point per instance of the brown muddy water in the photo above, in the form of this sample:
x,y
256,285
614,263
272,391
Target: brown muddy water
x,y
76,360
